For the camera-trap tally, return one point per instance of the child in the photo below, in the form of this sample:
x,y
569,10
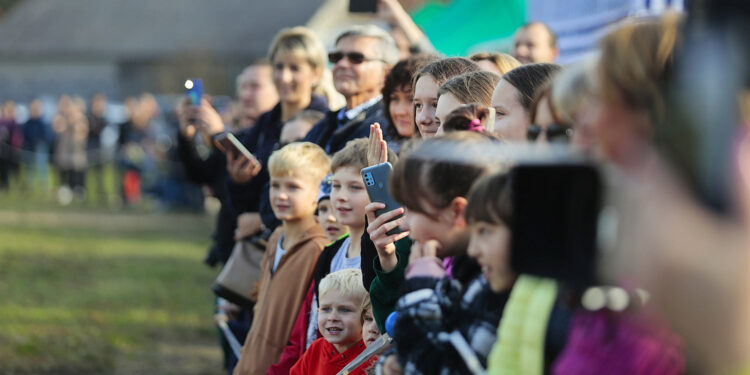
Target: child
x,y
370,331
326,216
339,320
296,171
348,198
297,127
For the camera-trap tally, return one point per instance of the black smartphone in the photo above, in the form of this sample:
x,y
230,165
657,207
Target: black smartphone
x,y
227,142
376,179
363,6
555,218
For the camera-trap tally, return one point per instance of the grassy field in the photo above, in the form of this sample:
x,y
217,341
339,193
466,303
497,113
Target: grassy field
x,y
97,292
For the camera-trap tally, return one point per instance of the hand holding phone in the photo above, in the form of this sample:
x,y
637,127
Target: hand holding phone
x,y
228,143
194,88
376,180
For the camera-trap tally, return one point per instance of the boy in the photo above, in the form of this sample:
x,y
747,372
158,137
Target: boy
x,y
296,128
296,171
326,216
341,296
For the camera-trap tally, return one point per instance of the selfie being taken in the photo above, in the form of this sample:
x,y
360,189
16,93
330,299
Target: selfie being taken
x,y
332,187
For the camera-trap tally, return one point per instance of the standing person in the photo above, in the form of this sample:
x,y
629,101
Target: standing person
x,y
535,42
11,140
286,269
37,139
298,61
361,59
97,123
71,127
398,96
495,62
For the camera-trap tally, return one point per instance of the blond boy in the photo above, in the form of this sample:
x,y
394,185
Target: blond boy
x,y
342,297
286,269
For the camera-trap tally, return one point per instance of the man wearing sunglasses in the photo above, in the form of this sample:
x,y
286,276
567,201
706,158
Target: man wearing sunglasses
x,y
361,59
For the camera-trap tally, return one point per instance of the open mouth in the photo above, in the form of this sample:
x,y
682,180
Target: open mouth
x,y
334,330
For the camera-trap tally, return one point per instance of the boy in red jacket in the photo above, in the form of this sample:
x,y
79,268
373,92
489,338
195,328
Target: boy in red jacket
x,y
342,297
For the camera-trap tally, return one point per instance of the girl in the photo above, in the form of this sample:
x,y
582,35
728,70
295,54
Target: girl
x,y
474,87
513,96
426,85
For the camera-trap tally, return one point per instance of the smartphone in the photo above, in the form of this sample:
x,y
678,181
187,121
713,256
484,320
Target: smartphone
x,y
363,6
194,87
376,180
555,211
228,143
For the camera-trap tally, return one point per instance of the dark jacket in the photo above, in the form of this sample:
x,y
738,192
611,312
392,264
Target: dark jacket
x,y
332,137
262,139
211,171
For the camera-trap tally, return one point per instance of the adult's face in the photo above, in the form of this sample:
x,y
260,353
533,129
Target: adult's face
x,y
511,118
402,110
532,45
293,77
257,94
352,79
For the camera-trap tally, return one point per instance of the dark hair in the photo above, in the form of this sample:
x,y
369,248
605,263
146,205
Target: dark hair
x,y
460,118
528,78
402,77
420,181
445,69
490,201
471,87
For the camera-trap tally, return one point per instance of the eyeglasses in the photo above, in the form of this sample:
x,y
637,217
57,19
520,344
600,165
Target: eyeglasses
x,y
353,57
554,133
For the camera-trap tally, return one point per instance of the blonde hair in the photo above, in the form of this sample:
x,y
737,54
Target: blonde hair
x,y
571,87
472,87
347,282
635,61
503,61
299,157
366,304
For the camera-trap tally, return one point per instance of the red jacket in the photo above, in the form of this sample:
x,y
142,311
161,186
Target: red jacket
x,y
322,358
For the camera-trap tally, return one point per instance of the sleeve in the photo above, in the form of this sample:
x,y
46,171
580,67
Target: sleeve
x,y
386,287
243,197
295,348
197,169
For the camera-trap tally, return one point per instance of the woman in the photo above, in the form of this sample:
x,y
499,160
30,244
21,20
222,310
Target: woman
x,y
513,96
495,62
398,94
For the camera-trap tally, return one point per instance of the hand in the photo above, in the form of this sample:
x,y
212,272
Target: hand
x,y
186,115
240,169
209,120
248,224
391,366
424,250
377,150
378,229
388,9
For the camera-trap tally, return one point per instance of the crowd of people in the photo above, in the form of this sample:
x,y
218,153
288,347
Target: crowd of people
x,y
66,145
435,275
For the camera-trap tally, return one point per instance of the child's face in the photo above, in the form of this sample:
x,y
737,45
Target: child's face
x,y
423,227
370,331
339,319
328,221
425,101
294,131
293,197
490,246
349,197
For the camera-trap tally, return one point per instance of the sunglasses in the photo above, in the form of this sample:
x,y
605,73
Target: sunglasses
x,y
353,57
554,133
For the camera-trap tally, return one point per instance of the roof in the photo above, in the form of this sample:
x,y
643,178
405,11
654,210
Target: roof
x,y
135,29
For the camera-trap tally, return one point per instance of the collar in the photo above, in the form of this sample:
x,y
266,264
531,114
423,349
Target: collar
x,y
354,112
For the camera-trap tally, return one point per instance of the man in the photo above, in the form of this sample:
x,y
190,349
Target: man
x,y
256,92
362,57
534,42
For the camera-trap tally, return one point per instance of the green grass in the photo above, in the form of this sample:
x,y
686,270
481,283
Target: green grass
x,y
105,293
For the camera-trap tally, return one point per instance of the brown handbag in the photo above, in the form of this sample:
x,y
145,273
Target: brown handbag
x,y
237,281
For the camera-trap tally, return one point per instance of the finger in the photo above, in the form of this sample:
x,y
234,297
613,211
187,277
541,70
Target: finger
x,y
398,236
388,216
383,151
374,206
